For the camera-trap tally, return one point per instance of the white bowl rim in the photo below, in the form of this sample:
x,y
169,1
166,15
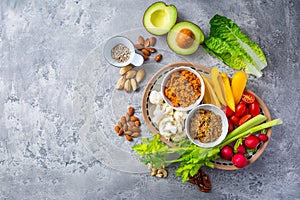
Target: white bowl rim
x,y
190,107
216,110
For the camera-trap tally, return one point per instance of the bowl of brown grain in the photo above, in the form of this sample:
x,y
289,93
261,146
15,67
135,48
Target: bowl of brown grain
x,y
183,88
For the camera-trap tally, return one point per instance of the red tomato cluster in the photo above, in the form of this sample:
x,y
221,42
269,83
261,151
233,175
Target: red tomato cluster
x,y
247,108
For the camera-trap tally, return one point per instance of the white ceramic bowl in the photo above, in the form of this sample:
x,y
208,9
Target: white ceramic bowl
x,y
215,110
166,78
135,59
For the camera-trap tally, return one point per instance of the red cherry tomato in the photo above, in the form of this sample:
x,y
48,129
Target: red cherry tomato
x,y
230,126
248,97
240,109
254,108
235,120
228,112
246,111
244,119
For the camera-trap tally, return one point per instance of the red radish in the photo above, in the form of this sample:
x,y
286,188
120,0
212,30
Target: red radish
x,y
263,137
228,112
227,152
239,160
246,111
251,141
241,149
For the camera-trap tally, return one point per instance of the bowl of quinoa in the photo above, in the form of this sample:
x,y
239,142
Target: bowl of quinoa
x,y
206,125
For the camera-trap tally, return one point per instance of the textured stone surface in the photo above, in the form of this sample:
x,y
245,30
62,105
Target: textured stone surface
x,y
42,47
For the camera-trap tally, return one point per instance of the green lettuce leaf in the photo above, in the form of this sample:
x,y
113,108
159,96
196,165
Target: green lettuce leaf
x,y
234,48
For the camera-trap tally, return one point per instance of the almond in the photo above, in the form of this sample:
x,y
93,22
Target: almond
x,y
121,83
120,124
151,49
133,84
128,137
152,41
127,116
127,85
130,111
140,75
138,46
130,123
117,129
128,133
135,134
134,129
123,120
146,52
125,127
121,132
158,58
137,123
134,118
147,42
141,40
125,69
130,74
145,57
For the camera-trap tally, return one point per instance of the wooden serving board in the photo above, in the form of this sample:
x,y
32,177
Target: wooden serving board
x,y
147,108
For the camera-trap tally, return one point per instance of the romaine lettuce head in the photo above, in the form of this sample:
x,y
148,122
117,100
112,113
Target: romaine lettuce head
x,y
235,49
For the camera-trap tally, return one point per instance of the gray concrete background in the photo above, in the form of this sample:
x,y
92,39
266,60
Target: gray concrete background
x,y
42,47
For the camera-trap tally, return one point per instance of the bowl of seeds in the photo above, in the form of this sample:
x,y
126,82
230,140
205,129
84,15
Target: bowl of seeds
x,y
119,51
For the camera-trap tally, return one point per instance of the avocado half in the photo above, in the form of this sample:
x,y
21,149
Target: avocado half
x,y
185,37
159,18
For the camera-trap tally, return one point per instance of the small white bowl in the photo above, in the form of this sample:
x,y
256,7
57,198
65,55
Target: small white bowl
x,y
166,78
215,110
135,59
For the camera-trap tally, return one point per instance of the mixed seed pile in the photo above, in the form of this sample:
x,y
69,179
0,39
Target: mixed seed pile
x,y
120,53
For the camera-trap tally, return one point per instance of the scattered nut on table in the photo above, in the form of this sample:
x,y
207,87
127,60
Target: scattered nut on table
x,y
130,78
128,125
158,172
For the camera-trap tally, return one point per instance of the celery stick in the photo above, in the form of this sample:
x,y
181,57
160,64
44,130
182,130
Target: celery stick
x,y
247,125
251,130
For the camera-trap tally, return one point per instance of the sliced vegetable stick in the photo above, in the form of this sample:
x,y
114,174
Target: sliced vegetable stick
x,y
229,96
206,97
238,85
213,95
214,77
222,87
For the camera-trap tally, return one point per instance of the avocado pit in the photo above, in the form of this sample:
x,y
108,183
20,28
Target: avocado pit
x,y
185,38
